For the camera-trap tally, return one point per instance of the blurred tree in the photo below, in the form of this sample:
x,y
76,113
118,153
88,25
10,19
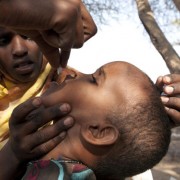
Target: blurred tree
x,y
158,38
159,18
177,3
101,9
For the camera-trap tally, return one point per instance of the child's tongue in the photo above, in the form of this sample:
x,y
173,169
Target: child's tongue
x,y
66,73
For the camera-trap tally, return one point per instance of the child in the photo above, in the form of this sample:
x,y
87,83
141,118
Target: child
x,y
121,128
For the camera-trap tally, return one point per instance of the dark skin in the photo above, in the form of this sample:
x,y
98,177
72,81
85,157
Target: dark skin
x,y
15,49
170,86
40,148
27,143
67,25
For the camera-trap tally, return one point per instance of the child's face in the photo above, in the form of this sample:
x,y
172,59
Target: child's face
x,y
20,57
93,96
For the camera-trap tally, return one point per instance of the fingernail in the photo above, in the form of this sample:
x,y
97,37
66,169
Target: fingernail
x,y
63,64
164,99
65,107
59,70
68,121
167,79
37,102
166,108
160,78
169,89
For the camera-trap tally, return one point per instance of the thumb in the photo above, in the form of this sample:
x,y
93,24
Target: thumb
x,y
52,39
50,52
64,57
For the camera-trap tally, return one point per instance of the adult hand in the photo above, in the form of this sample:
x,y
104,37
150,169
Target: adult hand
x,y
52,24
26,142
170,86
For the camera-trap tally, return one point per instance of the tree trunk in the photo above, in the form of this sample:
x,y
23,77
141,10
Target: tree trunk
x,y
177,4
158,38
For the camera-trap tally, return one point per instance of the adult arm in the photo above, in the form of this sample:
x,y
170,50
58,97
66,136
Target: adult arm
x,y
170,86
26,143
52,24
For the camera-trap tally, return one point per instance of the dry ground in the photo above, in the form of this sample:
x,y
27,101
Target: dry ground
x,y
169,167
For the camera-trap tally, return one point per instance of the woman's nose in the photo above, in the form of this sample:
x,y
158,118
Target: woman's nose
x,y
19,48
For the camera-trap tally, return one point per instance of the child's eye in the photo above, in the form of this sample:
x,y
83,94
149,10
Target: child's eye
x,y
93,79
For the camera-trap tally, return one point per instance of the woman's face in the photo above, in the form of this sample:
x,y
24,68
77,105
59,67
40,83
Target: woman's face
x,y
20,57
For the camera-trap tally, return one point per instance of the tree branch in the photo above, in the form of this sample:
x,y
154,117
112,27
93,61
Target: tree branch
x,y
157,37
177,4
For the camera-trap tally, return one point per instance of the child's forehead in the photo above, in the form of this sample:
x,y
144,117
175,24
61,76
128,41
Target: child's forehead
x,y
124,69
123,74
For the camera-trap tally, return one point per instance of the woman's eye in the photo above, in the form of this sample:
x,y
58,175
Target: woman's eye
x,y
4,41
26,38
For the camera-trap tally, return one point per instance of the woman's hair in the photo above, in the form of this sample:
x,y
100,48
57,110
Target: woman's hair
x,y
144,137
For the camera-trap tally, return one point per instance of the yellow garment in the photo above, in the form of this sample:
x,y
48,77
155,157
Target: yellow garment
x,y
31,92
3,91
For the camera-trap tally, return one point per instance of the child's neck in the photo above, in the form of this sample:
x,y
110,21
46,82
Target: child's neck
x,y
72,150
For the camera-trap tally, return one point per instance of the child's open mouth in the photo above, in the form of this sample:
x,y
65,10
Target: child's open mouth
x,y
66,74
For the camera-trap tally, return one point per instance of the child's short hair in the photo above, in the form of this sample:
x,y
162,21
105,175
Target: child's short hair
x,y
144,138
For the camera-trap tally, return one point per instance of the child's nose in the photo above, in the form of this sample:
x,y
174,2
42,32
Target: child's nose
x,y
19,48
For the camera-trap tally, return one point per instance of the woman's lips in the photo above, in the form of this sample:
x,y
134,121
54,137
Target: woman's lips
x,y
24,67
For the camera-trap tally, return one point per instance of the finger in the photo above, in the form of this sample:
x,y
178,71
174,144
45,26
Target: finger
x,y
48,146
51,88
51,37
171,102
160,83
172,82
21,111
171,78
42,116
51,53
45,134
66,41
172,89
64,57
174,116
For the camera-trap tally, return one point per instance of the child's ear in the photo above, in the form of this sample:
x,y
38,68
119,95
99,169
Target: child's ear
x,y
100,135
